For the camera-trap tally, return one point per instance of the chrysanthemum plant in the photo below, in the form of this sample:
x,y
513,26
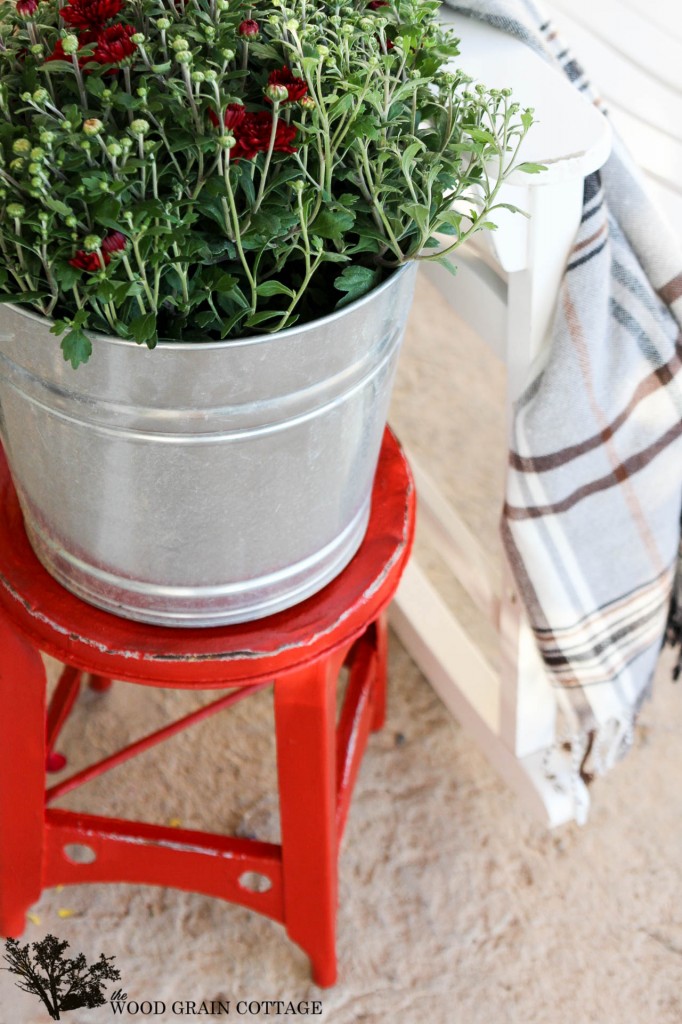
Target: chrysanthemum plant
x,y
205,169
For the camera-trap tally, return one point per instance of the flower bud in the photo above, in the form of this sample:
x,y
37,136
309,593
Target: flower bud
x,y
35,168
37,49
277,93
71,221
210,75
92,242
223,5
70,44
40,96
92,126
27,8
308,103
323,51
163,23
37,182
142,92
228,54
115,149
138,38
22,147
26,97
298,185
16,165
180,44
227,141
184,57
209,31
16,210
139,127
106,95
37,153
198,77
47,138
293,25
249,29
104,186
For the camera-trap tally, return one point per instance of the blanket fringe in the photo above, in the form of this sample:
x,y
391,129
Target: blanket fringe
x,y
673,630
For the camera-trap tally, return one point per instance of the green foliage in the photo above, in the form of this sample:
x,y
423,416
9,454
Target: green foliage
x,y
128,207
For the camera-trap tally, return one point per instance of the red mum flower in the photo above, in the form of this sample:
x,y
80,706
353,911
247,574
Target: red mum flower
x,y
252,132
27,7
232,118
296,87
374,5
253,136
90,14
115,241
114,44
249,29
89,261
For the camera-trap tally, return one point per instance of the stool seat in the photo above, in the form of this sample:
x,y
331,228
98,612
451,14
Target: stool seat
x,y
70,630
299,651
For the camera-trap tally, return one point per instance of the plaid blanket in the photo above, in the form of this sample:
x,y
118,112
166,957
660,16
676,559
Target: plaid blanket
x,y
591,521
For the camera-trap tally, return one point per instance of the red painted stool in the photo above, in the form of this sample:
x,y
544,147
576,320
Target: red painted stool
x,y
302,650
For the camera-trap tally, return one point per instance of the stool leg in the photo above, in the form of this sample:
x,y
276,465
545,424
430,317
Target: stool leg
x,y
305,723
100,683
379,688
22,778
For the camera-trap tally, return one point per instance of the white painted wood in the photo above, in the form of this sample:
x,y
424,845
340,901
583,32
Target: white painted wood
x,y
624,85
510,302
632,51
412,616
665,14
645,44
442,648
460,550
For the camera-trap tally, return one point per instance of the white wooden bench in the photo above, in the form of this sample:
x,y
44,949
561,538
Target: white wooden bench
x,y
507,294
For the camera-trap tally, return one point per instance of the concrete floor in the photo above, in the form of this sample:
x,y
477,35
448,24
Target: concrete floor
x,y
455,908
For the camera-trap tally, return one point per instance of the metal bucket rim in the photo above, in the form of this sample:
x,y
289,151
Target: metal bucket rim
x,y
256,339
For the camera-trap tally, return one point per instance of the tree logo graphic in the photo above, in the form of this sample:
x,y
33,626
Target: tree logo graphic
x,y
59,982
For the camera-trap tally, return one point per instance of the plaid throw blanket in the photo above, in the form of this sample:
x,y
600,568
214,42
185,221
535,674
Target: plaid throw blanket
x,y
591,521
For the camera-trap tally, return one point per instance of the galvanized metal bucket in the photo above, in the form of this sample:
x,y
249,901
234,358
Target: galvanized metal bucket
x,y
201,484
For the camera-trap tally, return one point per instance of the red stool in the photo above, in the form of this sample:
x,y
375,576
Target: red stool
x,y
302,650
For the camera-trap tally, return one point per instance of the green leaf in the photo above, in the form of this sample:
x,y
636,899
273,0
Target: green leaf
x,y
446,262
57,205
94,84
409,155
76,347
143,329
481,135
107,212
20,297
274,288
333,224
260,318
418,213
355,281
530,168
